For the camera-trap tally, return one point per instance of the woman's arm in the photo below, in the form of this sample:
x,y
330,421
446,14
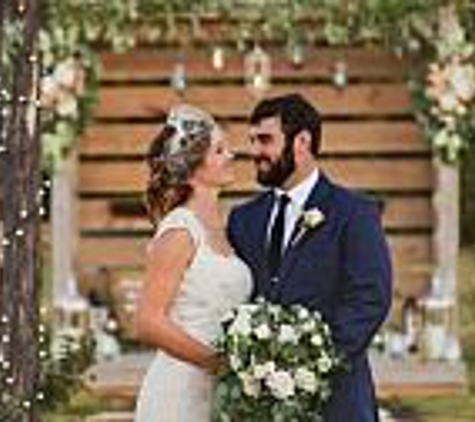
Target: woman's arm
x,y
167,260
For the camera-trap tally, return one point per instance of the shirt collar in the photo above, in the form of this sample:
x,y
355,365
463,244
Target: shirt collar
x,y
299,193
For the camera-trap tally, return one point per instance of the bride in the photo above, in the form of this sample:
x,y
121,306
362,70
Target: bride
x,y
192,275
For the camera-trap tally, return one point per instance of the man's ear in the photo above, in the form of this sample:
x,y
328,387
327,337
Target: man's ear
x,y
302,144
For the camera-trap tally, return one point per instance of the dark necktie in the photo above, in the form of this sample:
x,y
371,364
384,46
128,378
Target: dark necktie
x,y
274,254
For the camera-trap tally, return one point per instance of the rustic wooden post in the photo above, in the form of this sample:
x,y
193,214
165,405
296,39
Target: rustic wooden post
x,y
20,203
65,235
441,338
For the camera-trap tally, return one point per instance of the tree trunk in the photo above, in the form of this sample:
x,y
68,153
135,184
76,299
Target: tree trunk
x,y
19,194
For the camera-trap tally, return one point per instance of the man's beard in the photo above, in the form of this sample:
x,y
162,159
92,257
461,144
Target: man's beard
x,y
278,172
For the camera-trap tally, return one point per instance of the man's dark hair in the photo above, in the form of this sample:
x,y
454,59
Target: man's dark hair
x,y
296,114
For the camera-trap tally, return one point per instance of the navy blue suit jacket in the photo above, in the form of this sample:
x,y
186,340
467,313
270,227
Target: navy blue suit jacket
x,y
341,268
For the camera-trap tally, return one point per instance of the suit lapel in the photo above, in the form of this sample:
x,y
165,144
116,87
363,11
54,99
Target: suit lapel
x,y
319,198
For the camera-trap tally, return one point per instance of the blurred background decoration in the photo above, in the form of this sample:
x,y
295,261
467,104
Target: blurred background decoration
x,y
111,68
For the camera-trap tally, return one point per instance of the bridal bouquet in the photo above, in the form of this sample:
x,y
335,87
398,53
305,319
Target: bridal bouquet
x,y
279,364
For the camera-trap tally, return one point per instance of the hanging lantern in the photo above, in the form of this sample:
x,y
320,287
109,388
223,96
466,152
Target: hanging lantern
x,y
257,66
178,78
296,54
340,74
218,58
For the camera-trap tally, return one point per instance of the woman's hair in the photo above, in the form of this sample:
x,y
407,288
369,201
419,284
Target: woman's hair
x,y
173,157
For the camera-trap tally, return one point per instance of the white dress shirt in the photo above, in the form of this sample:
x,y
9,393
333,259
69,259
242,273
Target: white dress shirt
x,y
298,196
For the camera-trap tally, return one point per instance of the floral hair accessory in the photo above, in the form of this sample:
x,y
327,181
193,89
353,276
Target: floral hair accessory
x,y
189,123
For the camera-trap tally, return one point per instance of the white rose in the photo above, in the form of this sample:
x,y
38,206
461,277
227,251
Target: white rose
x,y
316,340
324,363
463,81
49,91
65,73
441,139
303,313
306,380
241,325
262,371
281,384
234,362
309,326
248,308
263,332
67,105
287,334
250,385
448,101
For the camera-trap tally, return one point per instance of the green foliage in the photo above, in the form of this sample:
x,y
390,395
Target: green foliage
x,y
75,29
63,359
66,359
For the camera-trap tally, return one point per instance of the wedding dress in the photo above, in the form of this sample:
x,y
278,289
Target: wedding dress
x,y
174,390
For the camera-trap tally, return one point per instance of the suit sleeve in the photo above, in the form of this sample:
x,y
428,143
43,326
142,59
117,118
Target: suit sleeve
x,y
232,229
367,286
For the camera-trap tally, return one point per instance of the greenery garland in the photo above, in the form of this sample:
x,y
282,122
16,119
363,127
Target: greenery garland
x,y
443,83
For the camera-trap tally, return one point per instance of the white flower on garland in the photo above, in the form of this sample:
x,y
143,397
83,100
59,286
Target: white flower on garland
x,y
450,86
61,89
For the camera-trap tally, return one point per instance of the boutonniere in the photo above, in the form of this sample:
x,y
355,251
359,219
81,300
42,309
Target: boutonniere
x,y
312,218
309,220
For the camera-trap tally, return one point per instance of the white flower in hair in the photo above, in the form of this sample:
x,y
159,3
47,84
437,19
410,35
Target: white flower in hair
x,y
188,121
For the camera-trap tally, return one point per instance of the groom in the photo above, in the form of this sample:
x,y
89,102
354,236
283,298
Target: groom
x,y
310,241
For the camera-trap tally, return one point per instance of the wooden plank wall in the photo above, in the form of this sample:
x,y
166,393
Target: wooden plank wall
x,y
371,143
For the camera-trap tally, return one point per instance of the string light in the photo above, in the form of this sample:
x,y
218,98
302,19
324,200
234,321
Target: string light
x,y
21,9
26,216
218,58
340,74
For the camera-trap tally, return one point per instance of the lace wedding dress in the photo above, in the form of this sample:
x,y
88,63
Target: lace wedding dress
x,y
173,390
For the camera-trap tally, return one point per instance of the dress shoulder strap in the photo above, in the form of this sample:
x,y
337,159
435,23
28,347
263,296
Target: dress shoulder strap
x,y
182,218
